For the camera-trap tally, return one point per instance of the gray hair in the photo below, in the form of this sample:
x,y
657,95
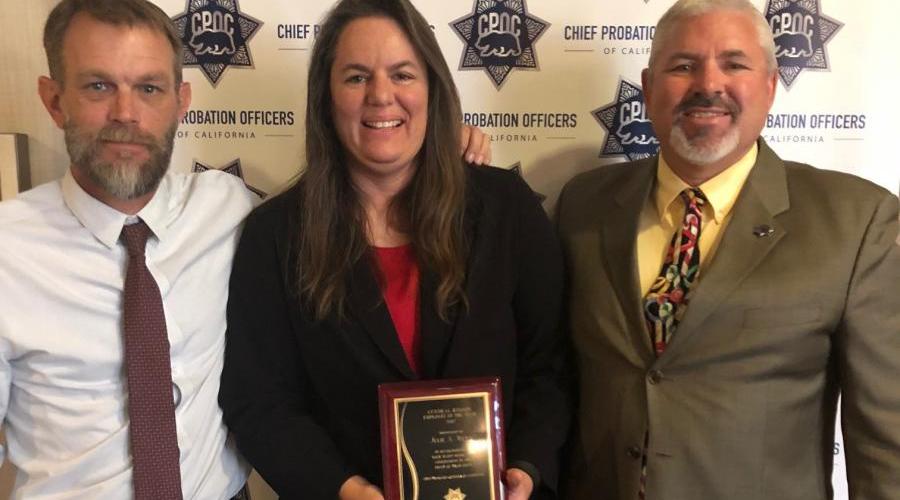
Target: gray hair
x,y
685,9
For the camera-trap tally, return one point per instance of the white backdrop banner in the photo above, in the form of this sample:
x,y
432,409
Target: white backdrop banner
x,y
556,84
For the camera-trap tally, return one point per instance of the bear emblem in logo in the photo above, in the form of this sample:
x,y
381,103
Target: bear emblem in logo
x,y
801,32
499,36
212,42
215,35
498,44
628,129
233,168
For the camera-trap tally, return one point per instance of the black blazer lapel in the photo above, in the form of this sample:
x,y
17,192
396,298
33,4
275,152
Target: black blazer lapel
x,y
440,341
619,239
435,332
371,314
763,197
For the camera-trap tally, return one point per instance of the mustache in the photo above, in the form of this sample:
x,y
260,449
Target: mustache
x,y
124,133
698,100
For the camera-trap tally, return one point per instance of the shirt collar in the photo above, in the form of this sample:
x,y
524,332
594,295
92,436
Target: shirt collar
x,y
721,191
105,222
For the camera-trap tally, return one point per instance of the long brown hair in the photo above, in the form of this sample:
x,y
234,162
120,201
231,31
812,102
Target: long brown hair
x,y
331,238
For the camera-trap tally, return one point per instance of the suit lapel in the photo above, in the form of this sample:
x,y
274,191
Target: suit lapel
x,y
619,240
740,250
366,303
436,333
442,336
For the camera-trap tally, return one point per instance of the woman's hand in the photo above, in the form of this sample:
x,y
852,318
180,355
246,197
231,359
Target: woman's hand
x,y
357,488
518,484
475,145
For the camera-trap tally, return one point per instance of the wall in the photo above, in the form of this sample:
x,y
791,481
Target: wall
x,y
569,102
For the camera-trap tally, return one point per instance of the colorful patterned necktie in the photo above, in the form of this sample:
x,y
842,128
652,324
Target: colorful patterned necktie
x,y
151,409
666,302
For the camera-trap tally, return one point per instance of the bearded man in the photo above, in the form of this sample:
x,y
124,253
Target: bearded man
x,y
721,298
92,411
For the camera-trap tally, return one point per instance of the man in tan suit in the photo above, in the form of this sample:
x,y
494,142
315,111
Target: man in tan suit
x,y
711,362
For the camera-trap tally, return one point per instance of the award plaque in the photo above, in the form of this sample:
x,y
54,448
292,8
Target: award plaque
x,y
442,440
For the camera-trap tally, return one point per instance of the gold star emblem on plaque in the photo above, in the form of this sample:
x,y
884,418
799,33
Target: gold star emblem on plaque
x,y
455,494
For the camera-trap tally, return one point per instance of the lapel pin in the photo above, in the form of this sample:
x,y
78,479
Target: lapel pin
x,y
763,230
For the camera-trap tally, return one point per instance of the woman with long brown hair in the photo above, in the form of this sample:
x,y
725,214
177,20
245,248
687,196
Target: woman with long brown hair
x,y
389,260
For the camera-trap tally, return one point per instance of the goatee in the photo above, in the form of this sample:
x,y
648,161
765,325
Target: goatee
x,y
124,177
700,149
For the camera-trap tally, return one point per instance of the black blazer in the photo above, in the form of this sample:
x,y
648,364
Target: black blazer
x,y
301,396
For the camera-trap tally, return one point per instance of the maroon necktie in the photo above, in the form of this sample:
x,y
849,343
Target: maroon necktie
x,y
151,409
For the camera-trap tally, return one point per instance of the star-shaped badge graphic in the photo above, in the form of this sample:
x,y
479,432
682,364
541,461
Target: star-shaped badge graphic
x,y
499,36
801,32
233,168
215,35
454,494
628,129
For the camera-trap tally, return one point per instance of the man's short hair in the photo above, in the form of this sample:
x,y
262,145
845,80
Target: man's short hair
x,y
129,13
684,9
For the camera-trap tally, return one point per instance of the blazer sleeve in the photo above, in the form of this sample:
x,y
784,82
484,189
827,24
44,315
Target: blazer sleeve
x,y
869,361
542,409
264,395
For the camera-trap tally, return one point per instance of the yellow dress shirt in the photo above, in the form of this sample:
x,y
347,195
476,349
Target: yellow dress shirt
x,y
663,213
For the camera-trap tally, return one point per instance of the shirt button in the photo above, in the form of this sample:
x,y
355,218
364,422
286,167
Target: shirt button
x,y
176,394
655,377
633,452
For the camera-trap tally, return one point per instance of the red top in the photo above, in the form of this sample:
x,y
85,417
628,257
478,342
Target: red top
x,y
400,288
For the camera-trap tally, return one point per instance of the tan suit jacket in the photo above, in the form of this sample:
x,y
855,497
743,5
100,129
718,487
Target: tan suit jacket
x,y
741,406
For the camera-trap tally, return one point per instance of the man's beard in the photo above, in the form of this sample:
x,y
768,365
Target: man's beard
x,y
124,178
700,149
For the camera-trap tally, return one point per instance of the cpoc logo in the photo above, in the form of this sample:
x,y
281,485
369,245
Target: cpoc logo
x,y
499,36
215,34
801,32
233,168
628,129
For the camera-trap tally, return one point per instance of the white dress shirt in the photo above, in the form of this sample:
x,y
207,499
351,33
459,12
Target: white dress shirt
x,y
63,391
